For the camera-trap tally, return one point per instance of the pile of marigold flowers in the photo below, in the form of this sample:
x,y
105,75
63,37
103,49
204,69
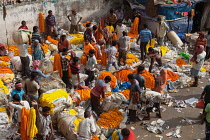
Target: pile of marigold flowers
x,y
84,94
4,64
49,38
123,75
126,93
110,119
113,82
79,39
13,48
5,58
180,62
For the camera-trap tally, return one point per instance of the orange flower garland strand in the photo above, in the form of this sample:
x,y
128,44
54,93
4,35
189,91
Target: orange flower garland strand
x,y
41,22
113,82
95,137
83,60
5,58
49,38
126,93
5,70
172,76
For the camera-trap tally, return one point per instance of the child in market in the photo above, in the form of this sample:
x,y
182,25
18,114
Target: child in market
x,y
44,122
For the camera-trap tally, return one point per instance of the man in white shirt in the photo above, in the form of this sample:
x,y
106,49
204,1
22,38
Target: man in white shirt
x,y
123,43
74,18
120,28
86,127
161,31
119,13
90,67
17,106
24,57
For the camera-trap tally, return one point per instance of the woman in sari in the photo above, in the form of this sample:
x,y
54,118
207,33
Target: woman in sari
x,y
37,51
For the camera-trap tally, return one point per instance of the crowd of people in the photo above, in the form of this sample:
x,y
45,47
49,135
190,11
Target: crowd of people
x,y
70,68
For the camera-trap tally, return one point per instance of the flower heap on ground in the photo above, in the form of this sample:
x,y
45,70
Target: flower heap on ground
x,y
79,39
110,119
113,82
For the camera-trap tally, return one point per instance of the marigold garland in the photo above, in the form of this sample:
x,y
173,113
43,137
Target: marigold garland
x,y
72,112
4,64
49,38
180,62
79,39
5,70
47,99
113,82
76,123
126,93
24,121
3,108
41,22
172,76
110,119
31,127
84,94
13,48
95,137
83,60
5,58
104,59
123,75
3,88
45,48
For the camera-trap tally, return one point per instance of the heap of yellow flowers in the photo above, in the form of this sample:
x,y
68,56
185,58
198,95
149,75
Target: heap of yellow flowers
x,y
79,39
164,49
49,38
113,82
110,119
13,48
202,69
76,123
72,112
5,58
3,88
6,74
126,93
47,99
131,58
4,64
3,109
84,94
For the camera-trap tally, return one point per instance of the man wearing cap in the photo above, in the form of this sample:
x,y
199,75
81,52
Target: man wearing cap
x,y
74,18
18,90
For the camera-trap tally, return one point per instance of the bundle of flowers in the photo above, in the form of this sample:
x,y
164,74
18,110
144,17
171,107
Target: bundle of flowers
x,y
6,74
95,137
180,62
45,48
172,76
50,39
76,123
84,94
53,98
3,88
123,75
72,112
42,22
4,64
79,39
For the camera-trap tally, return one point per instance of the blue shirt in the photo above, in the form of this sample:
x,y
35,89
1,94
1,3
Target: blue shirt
x,y
40,74
20,93
145,35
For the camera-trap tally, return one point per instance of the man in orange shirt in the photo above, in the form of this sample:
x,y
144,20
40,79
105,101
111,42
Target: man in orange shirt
x,y
87,46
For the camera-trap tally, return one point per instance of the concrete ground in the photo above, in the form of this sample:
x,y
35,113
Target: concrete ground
x,y
173,118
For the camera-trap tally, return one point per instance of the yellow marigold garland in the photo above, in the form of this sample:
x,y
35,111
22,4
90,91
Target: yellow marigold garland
x,y
31,127
76,123
79,39
4,64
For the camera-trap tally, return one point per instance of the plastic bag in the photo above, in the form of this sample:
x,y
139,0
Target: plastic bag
x,y
200,104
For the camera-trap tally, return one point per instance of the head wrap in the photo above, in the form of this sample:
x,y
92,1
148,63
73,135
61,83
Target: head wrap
x,y
2,45
36,64
19,85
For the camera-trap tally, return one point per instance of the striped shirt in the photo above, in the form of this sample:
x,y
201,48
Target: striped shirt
x,y
50,20
36,36
99,88
145,35
75,69
112,51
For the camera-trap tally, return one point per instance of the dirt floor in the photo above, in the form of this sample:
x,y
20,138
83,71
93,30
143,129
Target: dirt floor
x,y
173,118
